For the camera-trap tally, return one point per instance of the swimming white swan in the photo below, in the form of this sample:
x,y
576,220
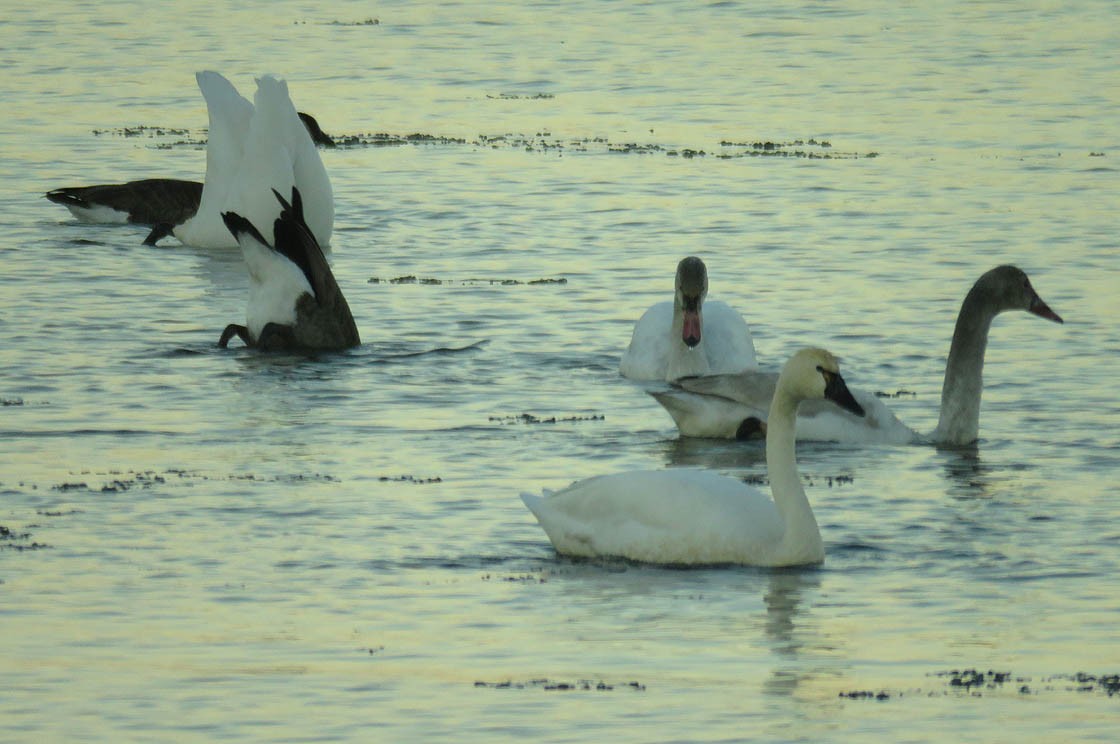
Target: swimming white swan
x,y
697,517
732,406
149,201
688,336
294,300
251,150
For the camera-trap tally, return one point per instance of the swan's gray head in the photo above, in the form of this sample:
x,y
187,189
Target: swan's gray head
x,y
692,287
815,373
1009,288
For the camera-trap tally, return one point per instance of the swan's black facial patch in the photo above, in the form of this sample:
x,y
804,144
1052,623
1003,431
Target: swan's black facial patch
x,y
836,390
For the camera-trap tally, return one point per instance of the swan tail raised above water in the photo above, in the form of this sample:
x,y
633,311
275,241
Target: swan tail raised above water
x,y
252,149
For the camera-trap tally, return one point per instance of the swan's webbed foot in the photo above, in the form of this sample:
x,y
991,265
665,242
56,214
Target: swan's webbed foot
x,y
234,330
751,428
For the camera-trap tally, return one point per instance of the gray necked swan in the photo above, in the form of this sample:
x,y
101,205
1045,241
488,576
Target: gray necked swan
x,y
294,301
688,336
149,201
731,406
696,517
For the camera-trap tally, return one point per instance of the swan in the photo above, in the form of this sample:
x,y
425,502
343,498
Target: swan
x,y
696,517
149,201
688,336
732,406
294,300
253,148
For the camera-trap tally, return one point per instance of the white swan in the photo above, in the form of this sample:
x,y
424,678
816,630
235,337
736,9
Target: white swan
x,y
696,517
732,406
688,336
294,300
250,151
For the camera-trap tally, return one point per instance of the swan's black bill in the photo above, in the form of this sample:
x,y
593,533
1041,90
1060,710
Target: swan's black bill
x,y
837,391
1042,310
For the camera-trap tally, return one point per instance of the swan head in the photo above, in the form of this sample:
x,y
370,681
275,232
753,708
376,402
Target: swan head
x,y
692,288
815,373
1009,288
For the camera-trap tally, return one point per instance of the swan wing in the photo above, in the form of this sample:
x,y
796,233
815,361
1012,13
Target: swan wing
x,y
717,405
647,356
677,516
727,339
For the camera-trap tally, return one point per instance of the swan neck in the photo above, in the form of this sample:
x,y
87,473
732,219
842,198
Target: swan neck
x,y
959,422
801,531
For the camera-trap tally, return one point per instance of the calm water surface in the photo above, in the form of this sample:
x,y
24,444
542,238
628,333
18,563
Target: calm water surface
x,y
207,544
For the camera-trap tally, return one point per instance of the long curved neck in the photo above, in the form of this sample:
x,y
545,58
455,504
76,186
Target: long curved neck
x,y
684,361
801,532
959,422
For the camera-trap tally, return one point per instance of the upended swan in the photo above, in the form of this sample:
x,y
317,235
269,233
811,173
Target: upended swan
x,y
732,406
688,336
250,150
695,517
294,301
148,201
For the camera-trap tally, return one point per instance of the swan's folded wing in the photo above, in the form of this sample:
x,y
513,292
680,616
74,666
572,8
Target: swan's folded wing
x,y
752,388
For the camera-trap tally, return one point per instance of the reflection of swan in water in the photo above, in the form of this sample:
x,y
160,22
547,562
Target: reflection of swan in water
x,y
966,472
786,630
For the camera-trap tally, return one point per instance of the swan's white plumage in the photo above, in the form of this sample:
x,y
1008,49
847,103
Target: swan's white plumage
x,y
727,345
252,149
688,335
658,516
275,285
697,517
715,405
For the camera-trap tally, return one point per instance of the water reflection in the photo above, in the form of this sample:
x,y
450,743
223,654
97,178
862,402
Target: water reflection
x,y
788,630
715,454
966,472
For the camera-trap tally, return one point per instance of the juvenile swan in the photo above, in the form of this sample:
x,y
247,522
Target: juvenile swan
x,y
688,336
733,405
294,300
695,517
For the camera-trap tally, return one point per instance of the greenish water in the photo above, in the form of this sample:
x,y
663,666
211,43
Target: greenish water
x,y
207,544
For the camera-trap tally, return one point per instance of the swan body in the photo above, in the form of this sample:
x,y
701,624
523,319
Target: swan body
x,y
688,336
695,517
729,405
294,300
734,406
252,149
